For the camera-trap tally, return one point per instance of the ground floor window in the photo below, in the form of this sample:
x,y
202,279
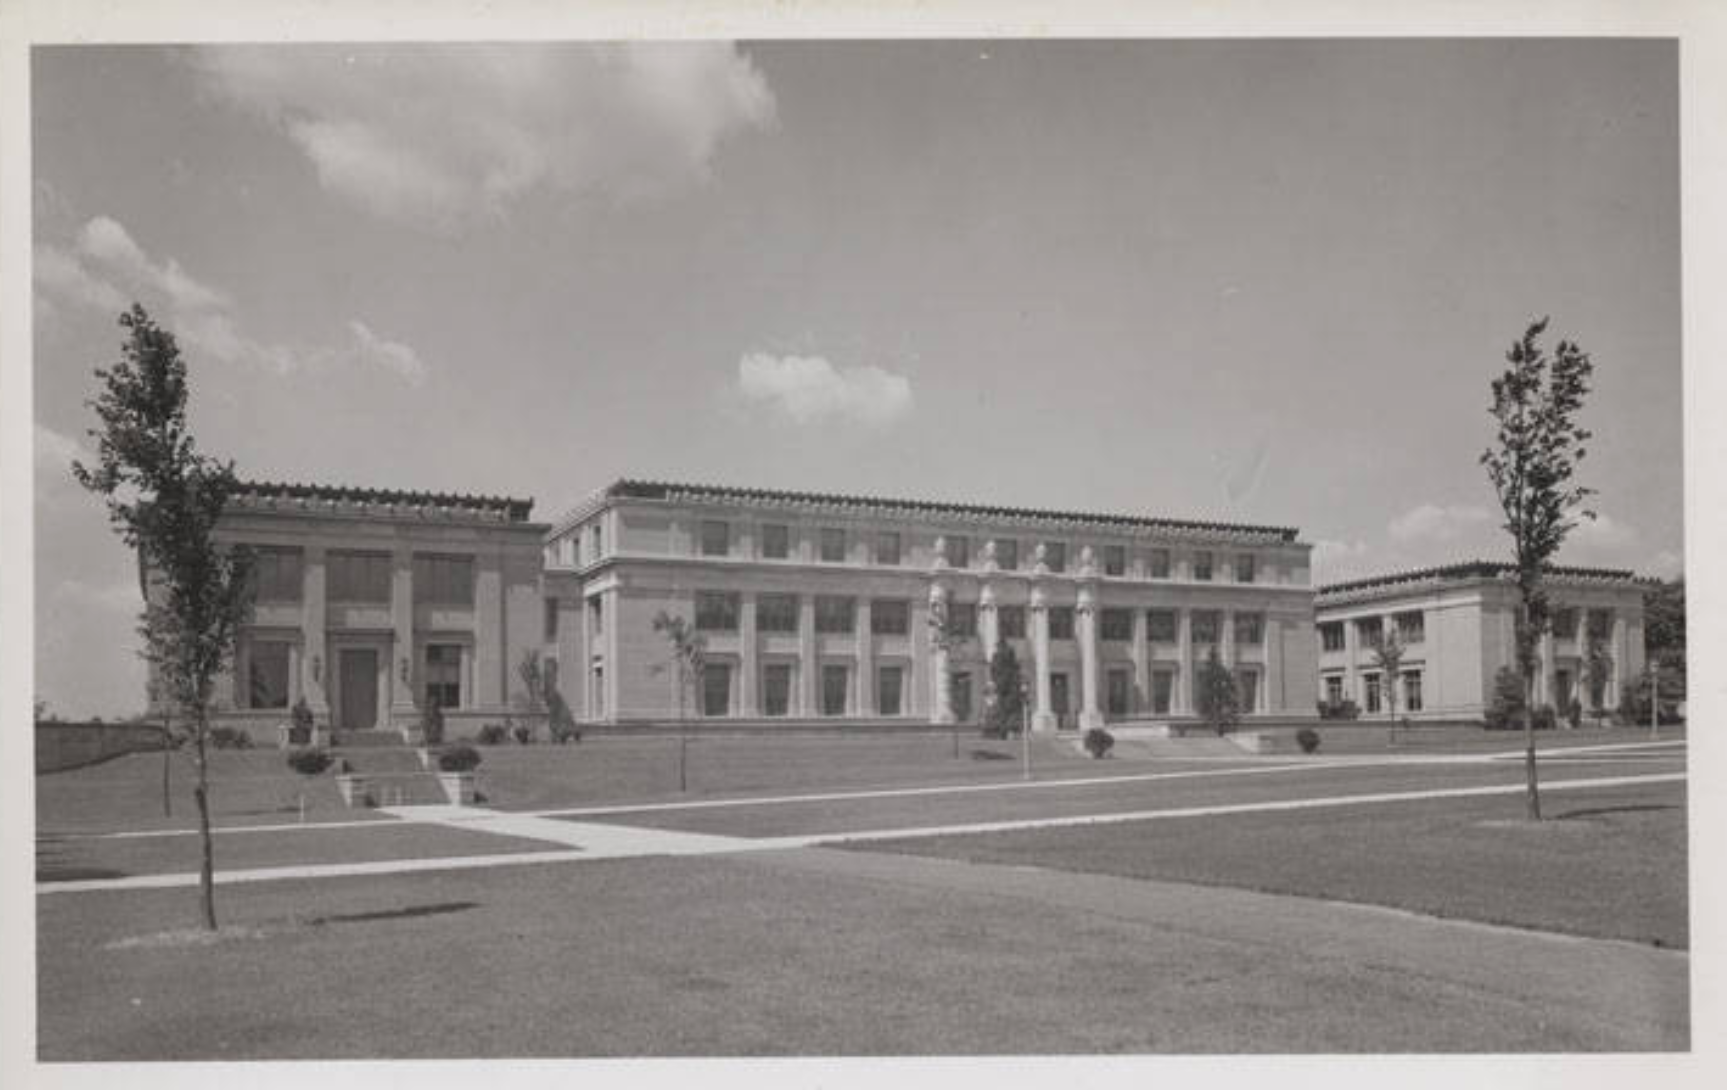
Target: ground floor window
x,y
1412,690
1162,691
1334,689
833,690
597,692
776,688
717,689
267,674
443,675
1116,690
1370,691
1247,684
962,697
889,684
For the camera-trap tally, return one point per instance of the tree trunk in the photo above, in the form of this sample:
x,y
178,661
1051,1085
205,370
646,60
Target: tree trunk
x,y
1533,790
201,792
167,756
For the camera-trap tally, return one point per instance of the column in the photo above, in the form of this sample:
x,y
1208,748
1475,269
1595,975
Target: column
x,y
749,704
942,693
1351,676
807,667
492,680
1085,619
1271,637
1042,718
1226,638
988,627
865,704
315,656
1184,677
1141,702
400,682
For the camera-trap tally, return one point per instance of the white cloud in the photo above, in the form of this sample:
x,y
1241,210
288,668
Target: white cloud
x,y
1435,523
108,268
1337,560
809,389
440,135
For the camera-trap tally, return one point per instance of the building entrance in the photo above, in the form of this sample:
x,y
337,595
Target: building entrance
x,y
358,682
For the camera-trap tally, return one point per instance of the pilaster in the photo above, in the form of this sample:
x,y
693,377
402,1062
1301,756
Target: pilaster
x,y
1085,619
1043,716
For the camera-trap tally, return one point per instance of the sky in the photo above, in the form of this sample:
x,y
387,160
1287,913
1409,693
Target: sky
x,y
1264,281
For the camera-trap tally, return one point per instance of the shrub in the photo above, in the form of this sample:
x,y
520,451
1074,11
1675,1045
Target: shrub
x,y
459,759
344,767
1098,742
493,734
1574,714
230,738
1546,718
310,762
1308,739
524,734
559,722
1505,710
432,726
1343,709
300,715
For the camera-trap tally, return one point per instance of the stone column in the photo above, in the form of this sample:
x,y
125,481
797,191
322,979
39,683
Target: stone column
x,y
988,627
401,668
1085,619
492,682
1615,648
1183,702
1226,638
1352,675
1042,717
1140,703
942,693
1271,649
749,704
314,659
808,668
865,704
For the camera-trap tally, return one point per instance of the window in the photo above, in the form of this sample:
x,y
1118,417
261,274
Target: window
x,y
1160,625
1055,555
1412,690
1117,624
1411,627
1116,688
776,688
776,541
267,674
889,617
1203,626
961,696
444,580
1007,555
1370,685
1061,622
835,616
717,689
1565,623
1202,567
1249,629
596,543
716,611
887,547
1331,636
1334,690
962,619
890,682
959,552
833,689
1010,622
1160,563
777,613
1244,568
716,538
443,675
276,575
833,545
1600,623
1369,632
596,617
551,621
1115,560
1162,691
358,577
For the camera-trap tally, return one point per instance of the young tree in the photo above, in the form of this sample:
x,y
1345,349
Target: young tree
x,y
164,499
1531,466
1664,632
1007,692
1388,656
1218,697
1598,668
689,659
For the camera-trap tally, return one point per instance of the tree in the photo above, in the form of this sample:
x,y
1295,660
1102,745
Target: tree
x,y
1531,466
164,499
1598,668
1219,698
1388,656
1007,692
689,659
1664,630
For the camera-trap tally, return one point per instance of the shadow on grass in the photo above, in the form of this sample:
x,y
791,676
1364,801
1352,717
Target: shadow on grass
x,y
990,755
1604,811
411,912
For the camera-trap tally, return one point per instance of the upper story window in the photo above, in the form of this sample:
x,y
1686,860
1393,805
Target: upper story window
x,y
1331,636
777,613
1007,555
1249,629
1115,560
958,552
596,617
1565,623
1202,566
1245,568
596,542
716,537
1203,626
716,611
887,547
357,577
833,545
776,541
276,574
835,616
1010,622
889,617
1055,555
1061,622
444,580
1160,563
962,619
1117,624
1600,623
1160,625
1369,631
1411,627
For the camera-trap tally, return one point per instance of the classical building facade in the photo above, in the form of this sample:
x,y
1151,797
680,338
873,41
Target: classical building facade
x,y
371,604
819,607
1456,627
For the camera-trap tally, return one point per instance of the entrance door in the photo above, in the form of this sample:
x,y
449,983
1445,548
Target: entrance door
x,y
1058,699
359,687
962,697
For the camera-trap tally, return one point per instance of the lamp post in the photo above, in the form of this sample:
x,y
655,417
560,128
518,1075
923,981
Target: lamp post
x,y
1654,699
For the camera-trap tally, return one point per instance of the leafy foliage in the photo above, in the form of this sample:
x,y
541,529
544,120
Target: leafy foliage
x,y
1007,693
310,762
689,655
1388,656
1505,709
1308,739
1342,709
493,734
1218,697
432,723
229,738
524,734
560,722
1098,742
459,758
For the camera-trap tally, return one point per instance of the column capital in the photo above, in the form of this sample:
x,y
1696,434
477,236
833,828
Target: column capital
x,y
938,562
1039,598
1087,601
986,596
1087,562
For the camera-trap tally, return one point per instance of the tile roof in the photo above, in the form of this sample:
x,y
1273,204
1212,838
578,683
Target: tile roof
x,y
511,509
1470,569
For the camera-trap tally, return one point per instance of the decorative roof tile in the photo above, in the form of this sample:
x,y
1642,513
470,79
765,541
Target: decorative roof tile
x,y
254,493
1466,570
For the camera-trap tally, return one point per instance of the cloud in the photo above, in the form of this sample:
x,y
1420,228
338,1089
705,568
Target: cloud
x,y
1432,522
1336,560
439,135
1666,564
106,268
809,389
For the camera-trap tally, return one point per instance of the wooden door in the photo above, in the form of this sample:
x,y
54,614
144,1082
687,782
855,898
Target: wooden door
x,y
358,683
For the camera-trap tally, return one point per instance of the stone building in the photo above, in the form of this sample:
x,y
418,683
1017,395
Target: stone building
x,y
1456,626
818,607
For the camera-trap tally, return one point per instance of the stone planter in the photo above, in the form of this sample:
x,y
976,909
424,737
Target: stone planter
x,y
458,787
352,788
428,758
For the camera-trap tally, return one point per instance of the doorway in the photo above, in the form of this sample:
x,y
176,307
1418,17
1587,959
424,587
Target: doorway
x,y
1058,700
357,681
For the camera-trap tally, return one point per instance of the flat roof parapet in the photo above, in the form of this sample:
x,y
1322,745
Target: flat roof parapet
x,y
271,495
1465,571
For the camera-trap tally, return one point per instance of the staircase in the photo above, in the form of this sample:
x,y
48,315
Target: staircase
x,y
391,769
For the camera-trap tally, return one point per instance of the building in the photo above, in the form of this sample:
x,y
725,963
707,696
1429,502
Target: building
x,y
371,604
1456,625
819,607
